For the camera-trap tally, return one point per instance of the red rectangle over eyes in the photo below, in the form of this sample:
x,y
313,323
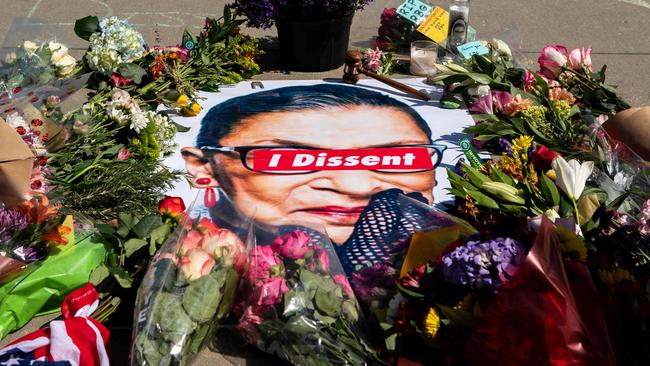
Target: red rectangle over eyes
x,y
402,158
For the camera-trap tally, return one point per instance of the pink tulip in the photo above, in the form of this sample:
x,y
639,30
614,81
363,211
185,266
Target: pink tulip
x,y
261,261
270,291
579,58
196,263
191,240
551,59
293,245
483,105
342,281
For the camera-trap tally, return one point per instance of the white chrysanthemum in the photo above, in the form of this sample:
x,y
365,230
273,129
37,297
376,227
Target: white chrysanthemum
x,y
15,120
138,121
117,114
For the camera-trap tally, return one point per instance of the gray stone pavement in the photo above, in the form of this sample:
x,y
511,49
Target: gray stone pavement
x,y
618,31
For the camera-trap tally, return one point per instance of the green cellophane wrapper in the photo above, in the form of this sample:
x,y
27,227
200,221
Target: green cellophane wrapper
x,y
43,286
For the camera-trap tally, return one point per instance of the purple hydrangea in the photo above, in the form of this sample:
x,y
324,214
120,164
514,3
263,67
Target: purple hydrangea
x,y
483,264
10,222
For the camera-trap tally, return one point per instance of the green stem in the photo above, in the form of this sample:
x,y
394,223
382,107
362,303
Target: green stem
x,y
575,210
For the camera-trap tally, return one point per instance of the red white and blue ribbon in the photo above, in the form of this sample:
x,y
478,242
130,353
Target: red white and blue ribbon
x,y
78,340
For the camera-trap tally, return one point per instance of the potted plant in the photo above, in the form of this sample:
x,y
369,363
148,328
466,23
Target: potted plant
x,y
313,34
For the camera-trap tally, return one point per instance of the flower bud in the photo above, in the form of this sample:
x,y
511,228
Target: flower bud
x,y
503,191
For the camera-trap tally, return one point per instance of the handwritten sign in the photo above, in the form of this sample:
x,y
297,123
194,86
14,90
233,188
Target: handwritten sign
x,y
414,11
435,25
470,49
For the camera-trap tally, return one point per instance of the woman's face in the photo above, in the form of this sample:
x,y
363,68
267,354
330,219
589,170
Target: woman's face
x,y
331,198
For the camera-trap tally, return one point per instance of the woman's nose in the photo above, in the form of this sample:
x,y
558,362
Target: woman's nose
x,y
350,182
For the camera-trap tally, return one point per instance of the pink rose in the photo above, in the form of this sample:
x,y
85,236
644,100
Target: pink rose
x,y
223,244
270,291
551,59
579,58
483,105
320,261
293,245
261,260
247,326
342,281
196,263
191,240
388,15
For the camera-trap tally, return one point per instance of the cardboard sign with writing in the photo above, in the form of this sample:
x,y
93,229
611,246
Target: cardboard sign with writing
x,y
413,10
435,25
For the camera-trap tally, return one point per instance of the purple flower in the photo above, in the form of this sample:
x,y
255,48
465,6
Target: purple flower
x,y
10,222
375,283
483,265
506,146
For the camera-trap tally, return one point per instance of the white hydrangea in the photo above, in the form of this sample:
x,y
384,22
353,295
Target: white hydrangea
x,y
117,43
103,60
165,131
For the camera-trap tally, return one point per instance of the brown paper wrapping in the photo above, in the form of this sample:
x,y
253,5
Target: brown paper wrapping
x,y
632,127
16,161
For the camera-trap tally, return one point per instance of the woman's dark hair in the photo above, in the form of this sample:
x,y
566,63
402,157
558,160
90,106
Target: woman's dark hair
x,y
220,119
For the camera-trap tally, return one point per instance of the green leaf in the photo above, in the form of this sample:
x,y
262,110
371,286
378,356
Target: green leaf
x,y
132,71
229,293
618,201
133,245
327,303
121,276
202,297
480,78
99,274
477,178
458,317
147,224
408,292
126,220
390,342
541,82
170,317
549,190
86,26
181,128
227,14
502,177
483,200
157,237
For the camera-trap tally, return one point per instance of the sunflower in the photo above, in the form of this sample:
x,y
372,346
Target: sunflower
x,y
432,323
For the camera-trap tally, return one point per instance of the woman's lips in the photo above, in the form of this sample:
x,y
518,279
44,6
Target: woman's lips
x,y
337,214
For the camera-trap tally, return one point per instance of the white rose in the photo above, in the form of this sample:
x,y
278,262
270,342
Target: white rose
x,y
479,91
58,51
10,58
502,48
65,65
29,46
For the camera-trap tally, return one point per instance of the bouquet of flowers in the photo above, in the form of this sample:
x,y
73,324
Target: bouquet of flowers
x,y
395,33
299,306
34,65
188,289
377,61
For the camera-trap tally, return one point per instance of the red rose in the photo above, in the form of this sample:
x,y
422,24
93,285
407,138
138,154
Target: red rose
x,y
37,122
388,15
36,185
172,206
381,43
543,157
386,31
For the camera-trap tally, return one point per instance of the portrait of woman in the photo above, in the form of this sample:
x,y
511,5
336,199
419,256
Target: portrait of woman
x,y
320,117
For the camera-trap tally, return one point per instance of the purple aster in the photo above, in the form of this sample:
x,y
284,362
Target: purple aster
x,y
483,265
10,222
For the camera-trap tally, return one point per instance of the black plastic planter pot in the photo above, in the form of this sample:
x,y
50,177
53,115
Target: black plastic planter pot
x,y
314,45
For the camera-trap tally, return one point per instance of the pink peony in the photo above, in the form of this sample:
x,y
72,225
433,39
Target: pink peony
x,y
579,58
342,281
388,15
247,326
269,291
261,261
196,263
191,240
320,261
293,245
551,60
483,105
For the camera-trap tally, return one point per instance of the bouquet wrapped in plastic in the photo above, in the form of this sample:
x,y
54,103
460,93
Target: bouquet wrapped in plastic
x,y
189,287
298,304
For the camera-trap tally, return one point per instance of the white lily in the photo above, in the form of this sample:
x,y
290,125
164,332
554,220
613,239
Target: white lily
x,y
572,175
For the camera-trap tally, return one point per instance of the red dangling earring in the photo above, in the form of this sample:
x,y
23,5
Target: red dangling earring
x,y
210,198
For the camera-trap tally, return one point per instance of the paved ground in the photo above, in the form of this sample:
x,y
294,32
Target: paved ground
x,y
617,31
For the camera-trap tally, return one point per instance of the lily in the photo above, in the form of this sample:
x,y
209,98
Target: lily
x,y
572,175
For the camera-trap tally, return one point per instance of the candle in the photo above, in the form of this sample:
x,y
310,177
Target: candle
x,y
423,57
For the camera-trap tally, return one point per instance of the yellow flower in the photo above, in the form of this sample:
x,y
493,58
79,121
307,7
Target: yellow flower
x,y
432,323
191,111
615,276
182,101
571,245
522,143
551,174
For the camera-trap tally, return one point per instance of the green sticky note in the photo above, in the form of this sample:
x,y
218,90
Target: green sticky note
x,y
470,49
471,154
414,11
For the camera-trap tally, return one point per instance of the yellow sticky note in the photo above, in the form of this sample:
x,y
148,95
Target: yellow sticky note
x,y
436,25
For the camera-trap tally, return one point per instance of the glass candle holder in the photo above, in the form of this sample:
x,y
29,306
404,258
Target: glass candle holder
x,y
424,55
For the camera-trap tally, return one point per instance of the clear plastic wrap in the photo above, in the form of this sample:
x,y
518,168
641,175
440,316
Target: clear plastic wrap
x,y
189,287
297,303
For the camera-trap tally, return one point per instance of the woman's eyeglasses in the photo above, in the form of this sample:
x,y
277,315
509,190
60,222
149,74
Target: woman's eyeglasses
x,y
247,156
